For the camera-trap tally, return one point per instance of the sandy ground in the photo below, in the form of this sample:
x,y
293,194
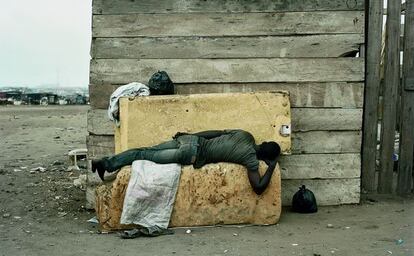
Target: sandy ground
x,y
42,213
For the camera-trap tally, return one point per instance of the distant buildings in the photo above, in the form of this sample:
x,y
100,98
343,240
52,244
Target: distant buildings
x,y
26,96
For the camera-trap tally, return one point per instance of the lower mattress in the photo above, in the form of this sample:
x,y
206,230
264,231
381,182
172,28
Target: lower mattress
x,y
214,194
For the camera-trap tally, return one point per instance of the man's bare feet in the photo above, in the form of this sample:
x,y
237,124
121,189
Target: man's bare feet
x,y
97,165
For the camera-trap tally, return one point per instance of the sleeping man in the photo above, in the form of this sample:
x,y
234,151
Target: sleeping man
x,y
198,149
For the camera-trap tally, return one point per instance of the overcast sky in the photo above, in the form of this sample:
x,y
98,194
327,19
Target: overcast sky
x,y
45,42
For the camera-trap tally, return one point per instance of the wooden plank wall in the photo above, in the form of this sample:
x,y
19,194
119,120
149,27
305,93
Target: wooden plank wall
x,y
242,46
405,168
391,85
371,96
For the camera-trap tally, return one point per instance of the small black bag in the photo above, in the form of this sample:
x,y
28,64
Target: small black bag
x,y
161,84
304,201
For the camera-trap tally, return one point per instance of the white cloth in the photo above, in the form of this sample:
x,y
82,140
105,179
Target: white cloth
x,y
128,90
150,195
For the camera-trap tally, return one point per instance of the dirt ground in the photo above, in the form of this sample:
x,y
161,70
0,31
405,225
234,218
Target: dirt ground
x,y
42,212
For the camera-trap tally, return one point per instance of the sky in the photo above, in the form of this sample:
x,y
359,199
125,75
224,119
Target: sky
x,y
45,42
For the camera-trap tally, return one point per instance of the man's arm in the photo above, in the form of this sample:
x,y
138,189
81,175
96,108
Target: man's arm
x,y
259,184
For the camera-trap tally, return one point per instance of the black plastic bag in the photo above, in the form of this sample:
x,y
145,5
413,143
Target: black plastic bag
x,y
304,201
161,84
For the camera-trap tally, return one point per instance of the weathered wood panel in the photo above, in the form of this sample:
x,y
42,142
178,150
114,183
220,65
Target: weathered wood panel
x,y
122,71
409,85
320,166
403,7
391,84
99,95
314,119
327,192
303,119
226,47
100,146
372,86
190,6
329,95
405,168
105,143
90,197
99,123
326,142
231,24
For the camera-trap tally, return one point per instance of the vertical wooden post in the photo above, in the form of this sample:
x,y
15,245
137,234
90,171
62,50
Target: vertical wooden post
x,y
405,168
374,9
391,82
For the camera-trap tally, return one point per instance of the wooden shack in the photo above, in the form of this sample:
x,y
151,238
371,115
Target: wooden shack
x,y
306,47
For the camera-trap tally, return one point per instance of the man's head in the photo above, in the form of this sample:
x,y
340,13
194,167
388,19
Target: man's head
x,y
268,150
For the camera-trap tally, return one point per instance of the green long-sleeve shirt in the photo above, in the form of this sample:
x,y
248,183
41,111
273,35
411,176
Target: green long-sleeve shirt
x,y
233,146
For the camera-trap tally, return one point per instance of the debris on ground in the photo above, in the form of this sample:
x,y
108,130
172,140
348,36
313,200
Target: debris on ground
x,y
73,168
399,242
93,220
57,162
76,155
80,182
38,169
62,214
